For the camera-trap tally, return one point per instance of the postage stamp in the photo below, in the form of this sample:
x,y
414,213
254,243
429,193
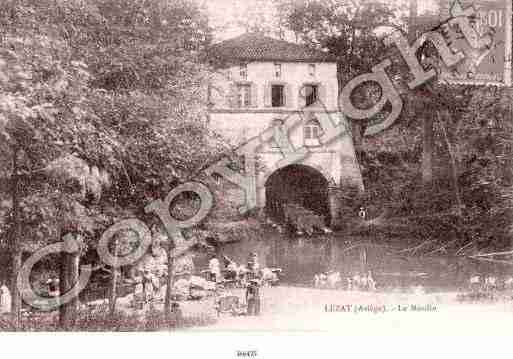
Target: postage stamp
x,y
492,22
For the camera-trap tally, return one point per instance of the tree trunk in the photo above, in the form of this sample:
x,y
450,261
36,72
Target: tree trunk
x,y
427,120
414,10
356,132
16,260
114,285
170,281
69,272
427,151
16,252
454,166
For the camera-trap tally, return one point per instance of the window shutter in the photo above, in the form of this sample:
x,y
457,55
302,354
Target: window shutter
x,y
254,95
301,99
308,135
322,99
333,96
267,95
231,98
288,95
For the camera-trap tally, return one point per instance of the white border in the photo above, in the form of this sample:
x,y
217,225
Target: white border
x,y
508,44
267,345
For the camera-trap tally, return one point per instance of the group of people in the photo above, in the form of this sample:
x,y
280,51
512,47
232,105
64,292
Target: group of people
x,y
147,287
232,271
250,277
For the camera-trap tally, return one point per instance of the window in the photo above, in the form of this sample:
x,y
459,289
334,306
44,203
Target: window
x,y
311,93
278,99
243,95
311,69
312,133
244,71
277,70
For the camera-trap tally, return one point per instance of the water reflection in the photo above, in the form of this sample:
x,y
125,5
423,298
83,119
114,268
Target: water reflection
x,y
302,258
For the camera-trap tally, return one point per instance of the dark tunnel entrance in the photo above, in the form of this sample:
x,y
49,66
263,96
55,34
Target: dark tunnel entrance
x,y
296,185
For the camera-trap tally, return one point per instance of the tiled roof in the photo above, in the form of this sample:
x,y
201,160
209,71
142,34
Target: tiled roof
x,y
257,47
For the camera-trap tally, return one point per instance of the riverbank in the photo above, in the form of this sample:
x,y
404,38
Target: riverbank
x,y
297,309
292,309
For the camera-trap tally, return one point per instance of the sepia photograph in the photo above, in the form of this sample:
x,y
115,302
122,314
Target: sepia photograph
x,y
195,167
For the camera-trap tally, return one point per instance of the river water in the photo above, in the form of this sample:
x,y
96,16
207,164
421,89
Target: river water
x,y
302,258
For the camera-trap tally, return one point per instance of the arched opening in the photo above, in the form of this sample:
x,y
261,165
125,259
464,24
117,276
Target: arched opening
x,y
296,185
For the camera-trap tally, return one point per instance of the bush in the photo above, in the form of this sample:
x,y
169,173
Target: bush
x,y
99,320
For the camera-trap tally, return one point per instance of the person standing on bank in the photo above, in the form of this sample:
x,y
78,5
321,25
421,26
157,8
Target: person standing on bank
x,y
214,268
362,213
5,300
253,266
231,269
148,288
253,299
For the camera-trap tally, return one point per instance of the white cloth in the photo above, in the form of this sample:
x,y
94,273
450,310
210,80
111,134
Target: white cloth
x,y
232,267
5,300
214,266
269,275
201,283
182,287
184,263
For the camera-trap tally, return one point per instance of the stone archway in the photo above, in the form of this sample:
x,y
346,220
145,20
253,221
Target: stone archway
x,y
297,184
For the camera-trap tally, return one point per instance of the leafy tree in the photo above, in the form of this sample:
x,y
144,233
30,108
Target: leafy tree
x,y
442,126
347,30
101,110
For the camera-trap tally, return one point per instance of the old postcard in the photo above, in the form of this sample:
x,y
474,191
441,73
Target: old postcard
x,y
336,166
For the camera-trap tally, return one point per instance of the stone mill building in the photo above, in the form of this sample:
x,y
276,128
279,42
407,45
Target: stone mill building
x,y
261,82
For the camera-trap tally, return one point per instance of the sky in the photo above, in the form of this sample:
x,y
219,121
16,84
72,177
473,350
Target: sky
x,y
224,13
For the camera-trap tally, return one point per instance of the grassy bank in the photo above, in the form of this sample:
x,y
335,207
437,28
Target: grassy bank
x,y
121,321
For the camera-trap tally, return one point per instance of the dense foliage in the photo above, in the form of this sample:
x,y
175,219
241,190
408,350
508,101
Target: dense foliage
x,y
108,94
102,110
467,206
